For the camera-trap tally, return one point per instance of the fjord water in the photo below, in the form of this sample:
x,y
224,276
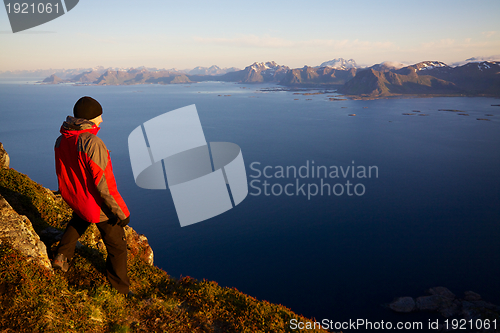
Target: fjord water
x,y
431,218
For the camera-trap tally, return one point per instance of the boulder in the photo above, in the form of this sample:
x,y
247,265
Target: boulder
x,y
51,235
138,245
17,231
429,303
403,304
480,309
443,291
449,308
441,299
472,296
4,157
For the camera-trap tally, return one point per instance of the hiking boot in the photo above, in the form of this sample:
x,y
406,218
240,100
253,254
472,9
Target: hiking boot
x,y
60,262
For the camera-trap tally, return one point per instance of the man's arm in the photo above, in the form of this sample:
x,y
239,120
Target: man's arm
x,y
104,179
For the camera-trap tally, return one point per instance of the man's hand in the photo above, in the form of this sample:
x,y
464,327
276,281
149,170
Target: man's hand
x,y
123,223
113,220
116,220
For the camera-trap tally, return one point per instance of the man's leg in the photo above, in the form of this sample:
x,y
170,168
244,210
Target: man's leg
x,y
116,263
75,228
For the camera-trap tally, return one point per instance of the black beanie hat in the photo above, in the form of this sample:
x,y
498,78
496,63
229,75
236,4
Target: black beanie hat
x,y
87,108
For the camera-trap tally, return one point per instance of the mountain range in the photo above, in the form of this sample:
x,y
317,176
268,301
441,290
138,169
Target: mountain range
x,y
426,78
255,73
212,70
386,79
69,74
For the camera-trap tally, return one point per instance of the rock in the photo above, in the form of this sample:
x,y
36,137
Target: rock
x,y
472,296
442,300
469,310
139,245
429,303
101,246
449,308
51,235
443,291
485,305
4,158
403,304
445,305
479,310
18,232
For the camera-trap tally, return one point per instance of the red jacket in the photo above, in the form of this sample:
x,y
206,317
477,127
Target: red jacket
x,y
85,174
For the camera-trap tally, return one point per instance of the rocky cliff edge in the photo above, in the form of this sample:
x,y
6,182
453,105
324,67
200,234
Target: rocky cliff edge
x,y
34,298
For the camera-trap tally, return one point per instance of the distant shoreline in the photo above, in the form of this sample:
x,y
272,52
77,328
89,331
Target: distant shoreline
x,y
327,88
426,79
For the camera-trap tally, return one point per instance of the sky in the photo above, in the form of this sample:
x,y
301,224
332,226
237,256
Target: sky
x,y
185,34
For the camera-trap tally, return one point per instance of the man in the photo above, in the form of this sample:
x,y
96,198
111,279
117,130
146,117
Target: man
x,y
87,184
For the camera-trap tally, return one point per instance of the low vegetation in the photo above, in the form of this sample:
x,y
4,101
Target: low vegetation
x,y
34,299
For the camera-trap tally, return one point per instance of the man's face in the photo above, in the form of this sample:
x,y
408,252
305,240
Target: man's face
x,y
97,121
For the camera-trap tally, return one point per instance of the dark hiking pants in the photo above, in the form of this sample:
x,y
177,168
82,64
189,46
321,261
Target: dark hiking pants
x,y
116,245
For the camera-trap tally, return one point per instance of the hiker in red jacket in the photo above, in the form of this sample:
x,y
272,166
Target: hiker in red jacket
x,y
87,184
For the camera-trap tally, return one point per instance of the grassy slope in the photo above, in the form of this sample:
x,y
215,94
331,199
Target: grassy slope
x,y
33,299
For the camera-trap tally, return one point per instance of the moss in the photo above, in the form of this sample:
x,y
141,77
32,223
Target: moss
x,y
33,200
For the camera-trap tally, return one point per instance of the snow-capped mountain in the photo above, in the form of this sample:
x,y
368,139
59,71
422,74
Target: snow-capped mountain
x,y
264,71
388,66
426,65
266,67
485,65
212,70
494,58
258,72
340,63
428,78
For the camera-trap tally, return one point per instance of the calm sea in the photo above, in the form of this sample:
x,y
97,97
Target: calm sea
x,y
430,218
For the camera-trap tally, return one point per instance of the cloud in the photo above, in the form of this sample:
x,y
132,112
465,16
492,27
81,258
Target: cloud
x,y
443,43
465,44
247,40
490,58
267,41
394,64
476,59
98,39
488,34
